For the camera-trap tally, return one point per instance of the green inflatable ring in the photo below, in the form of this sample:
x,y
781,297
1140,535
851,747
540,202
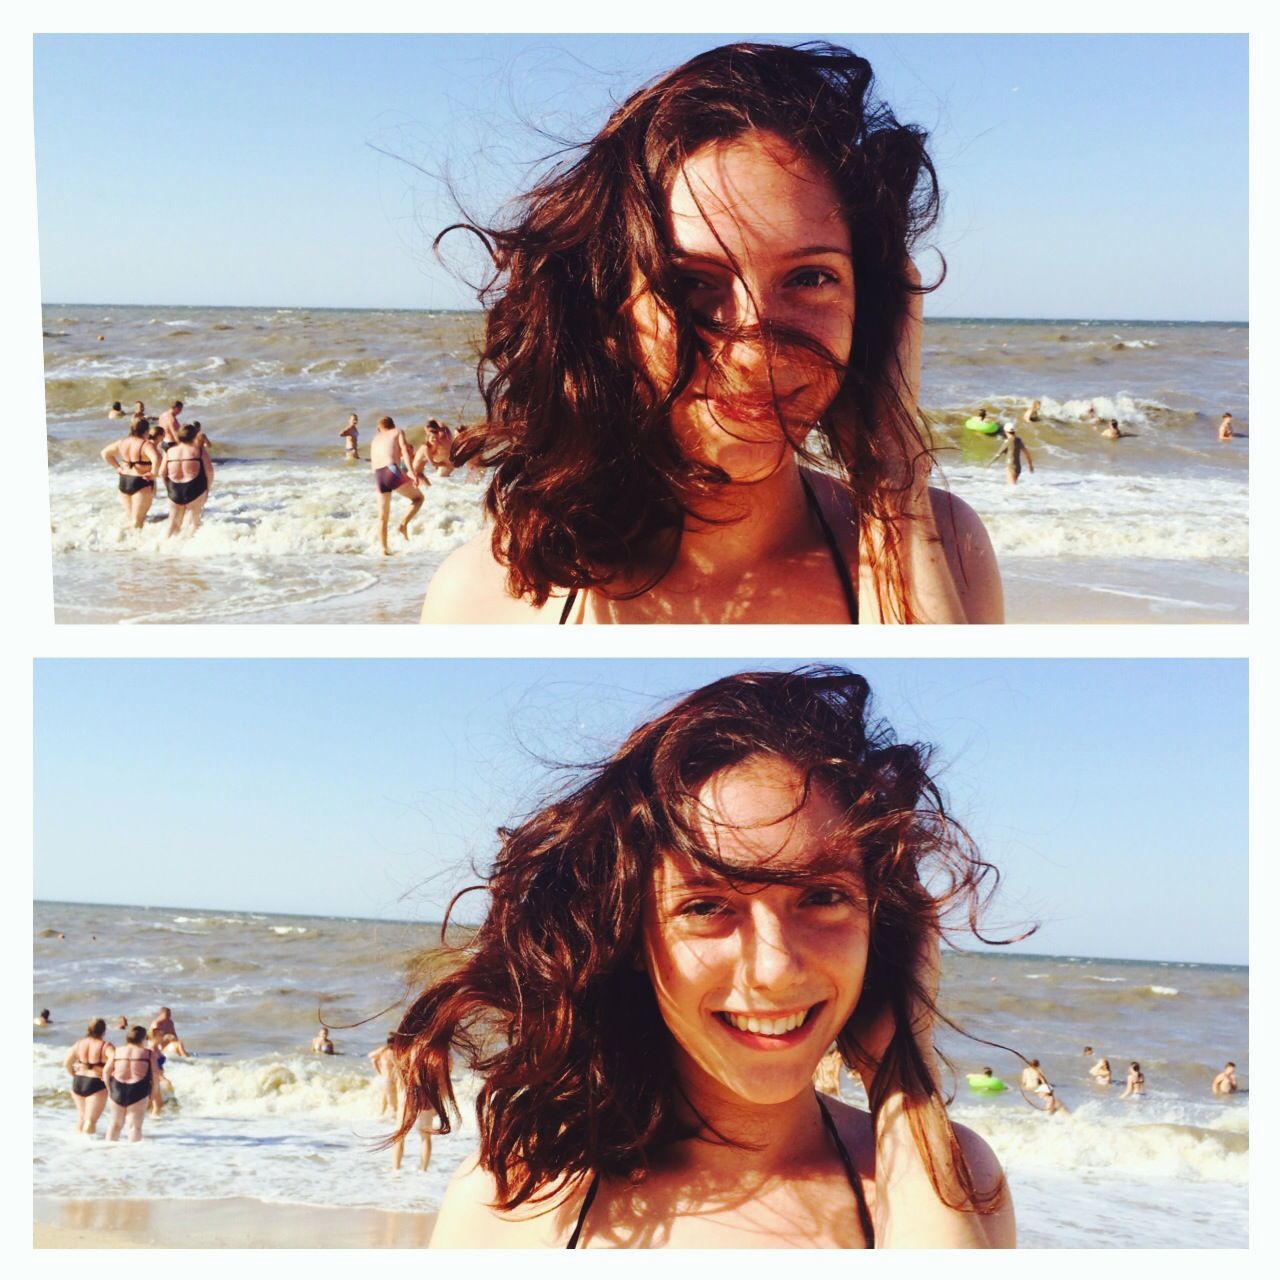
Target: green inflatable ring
x,y
984,426
980,1083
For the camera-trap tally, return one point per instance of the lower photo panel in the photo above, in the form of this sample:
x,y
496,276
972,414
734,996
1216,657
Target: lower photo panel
x,y
816,952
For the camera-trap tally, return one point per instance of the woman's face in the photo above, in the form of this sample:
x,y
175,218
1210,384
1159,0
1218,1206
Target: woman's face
x,y
760,239
755,982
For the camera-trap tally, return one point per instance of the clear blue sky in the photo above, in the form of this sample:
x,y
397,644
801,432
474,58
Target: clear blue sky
x,y
1112,794
1086,176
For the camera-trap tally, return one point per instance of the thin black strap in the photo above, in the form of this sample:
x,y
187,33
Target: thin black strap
x,y
582,1213
864,1214
842,569
568,607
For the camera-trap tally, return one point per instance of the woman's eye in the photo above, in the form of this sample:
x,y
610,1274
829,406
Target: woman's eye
x,y
826,898
694,285
813,278
702,908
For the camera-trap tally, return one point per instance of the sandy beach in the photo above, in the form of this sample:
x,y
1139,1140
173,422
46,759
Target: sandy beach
x,y
238,1222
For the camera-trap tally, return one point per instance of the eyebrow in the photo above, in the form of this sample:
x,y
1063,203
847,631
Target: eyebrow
x,y
809,251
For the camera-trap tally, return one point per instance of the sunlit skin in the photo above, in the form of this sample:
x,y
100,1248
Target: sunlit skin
x,y
771,951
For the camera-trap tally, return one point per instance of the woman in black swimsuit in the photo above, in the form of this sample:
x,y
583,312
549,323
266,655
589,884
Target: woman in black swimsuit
x,y
187,471
137,461
670,948
84,1063
130,1077
701,364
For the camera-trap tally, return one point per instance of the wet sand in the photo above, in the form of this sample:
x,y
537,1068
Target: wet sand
x,y
239,1223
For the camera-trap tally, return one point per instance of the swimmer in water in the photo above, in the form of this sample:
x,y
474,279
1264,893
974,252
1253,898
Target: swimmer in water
x,y
1033,1080
1135,1085
169,423
187,471
436,450
136,460
1113,432
115,411
42,1019
322,1043
351,434
1016,450
1033,412
1101,1071
1225,1081
1225,430
394,473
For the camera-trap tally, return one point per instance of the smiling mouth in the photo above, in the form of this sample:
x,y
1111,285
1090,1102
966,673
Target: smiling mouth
x,y
777,1027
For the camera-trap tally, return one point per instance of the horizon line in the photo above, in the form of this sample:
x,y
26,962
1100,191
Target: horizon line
x,y
275,306
299,915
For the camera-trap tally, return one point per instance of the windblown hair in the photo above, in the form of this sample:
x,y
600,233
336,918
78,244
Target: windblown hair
x,y
549,1003
589,484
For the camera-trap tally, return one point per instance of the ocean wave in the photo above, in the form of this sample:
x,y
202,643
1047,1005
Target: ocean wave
x,y
1089,1141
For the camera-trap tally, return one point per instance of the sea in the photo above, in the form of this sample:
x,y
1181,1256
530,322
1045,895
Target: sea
x,y
1149,528
255,1114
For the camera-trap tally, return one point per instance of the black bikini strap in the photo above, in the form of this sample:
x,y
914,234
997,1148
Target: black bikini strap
x,y
568,607
582,1213
842,569
864,1214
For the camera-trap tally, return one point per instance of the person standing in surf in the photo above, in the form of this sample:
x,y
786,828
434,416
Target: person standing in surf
x,y
351,434
391,459
1016,451
136,460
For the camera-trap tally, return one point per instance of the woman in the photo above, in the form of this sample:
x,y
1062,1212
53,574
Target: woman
x,y
719,288
187,470
130,1073
670,949
1135,1083
1101,1071
84,1064
136,459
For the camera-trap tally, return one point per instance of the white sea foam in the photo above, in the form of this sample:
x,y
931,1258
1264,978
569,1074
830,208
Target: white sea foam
x,y
1164,991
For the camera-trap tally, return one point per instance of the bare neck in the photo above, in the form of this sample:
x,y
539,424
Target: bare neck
x,y
750,524
764,1140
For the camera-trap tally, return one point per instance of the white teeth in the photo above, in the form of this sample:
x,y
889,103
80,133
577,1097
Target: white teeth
x,y
767,1026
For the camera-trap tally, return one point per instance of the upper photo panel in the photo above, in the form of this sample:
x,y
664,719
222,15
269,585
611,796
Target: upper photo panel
x,y
674,329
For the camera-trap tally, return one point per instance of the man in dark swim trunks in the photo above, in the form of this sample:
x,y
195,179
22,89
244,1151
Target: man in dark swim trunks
x,y
394,472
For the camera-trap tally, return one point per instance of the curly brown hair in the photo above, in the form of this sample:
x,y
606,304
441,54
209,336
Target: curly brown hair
x,y
549,1004
589,484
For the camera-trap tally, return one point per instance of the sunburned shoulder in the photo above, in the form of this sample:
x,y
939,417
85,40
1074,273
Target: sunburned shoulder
x,y
471,586
468,1218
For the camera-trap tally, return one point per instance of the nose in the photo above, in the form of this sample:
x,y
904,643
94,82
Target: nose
x,y
772,957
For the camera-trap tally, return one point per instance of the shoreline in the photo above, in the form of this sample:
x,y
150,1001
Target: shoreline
x,y
239,1222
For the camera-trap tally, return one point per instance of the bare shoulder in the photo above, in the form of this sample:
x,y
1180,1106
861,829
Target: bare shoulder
x,y
970,555
988,1177
469,1218
471,586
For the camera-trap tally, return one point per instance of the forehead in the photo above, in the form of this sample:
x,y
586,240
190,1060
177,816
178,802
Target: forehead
x,y
758,814
754,194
